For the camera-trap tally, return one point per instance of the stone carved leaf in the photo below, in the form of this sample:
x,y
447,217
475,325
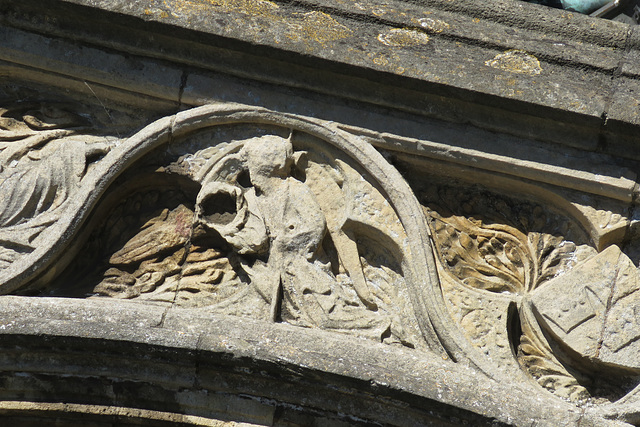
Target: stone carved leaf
x,y
554,256
489,243
480,258
499,258
549,373
41,165
40,186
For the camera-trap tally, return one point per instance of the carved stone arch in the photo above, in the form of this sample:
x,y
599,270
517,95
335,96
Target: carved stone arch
x,y
206,151
37,269
331,145
418,262
336,152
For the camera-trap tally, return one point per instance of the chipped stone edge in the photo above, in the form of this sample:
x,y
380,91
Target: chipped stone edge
x,y
214,337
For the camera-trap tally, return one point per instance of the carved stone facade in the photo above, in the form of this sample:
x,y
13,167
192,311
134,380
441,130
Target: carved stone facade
x,y
276,213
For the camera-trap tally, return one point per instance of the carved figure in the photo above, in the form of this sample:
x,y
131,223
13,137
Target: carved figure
x,y
231,223
279,222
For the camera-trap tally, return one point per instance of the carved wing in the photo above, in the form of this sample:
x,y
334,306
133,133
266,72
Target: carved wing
x,y
324,182
165,233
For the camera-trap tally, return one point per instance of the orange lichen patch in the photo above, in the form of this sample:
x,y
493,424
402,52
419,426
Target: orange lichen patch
x,y
157,13
403,37
392,63
433,25
380,60
516,61
317,26
299,27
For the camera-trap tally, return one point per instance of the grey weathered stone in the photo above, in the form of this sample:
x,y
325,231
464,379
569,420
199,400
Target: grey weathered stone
x,y
596,316
240,212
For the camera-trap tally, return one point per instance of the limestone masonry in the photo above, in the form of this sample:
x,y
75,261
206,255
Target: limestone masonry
x,y
318,213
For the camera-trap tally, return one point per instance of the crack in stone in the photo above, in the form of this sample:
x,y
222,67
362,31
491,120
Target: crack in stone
x,y
188,243
605,315
183,84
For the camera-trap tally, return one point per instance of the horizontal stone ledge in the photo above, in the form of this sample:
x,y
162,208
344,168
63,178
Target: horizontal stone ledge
x,y
502,56
534,162
66,340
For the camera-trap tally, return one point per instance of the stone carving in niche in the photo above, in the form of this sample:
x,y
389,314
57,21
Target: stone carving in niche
x,y
240,211
268,221
44,155
530,292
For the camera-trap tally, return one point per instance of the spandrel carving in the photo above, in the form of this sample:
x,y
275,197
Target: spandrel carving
x,y
531,293
43,158
277,225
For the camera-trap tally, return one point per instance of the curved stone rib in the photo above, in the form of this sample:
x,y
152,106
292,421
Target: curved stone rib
x,y
418,266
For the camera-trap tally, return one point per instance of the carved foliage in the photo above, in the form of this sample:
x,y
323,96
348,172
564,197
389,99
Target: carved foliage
x,y
41,166
499,255
510,249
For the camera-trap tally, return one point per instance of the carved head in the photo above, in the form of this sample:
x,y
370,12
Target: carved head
x,y
268,156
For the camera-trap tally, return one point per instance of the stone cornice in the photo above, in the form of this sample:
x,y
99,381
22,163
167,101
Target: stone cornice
x,y
506,66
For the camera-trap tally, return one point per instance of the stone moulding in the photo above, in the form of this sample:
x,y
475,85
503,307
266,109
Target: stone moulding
x,y
583,95
225,368
288,213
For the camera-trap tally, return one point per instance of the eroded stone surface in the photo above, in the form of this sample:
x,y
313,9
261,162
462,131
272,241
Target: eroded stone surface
x,y
249,237
269,227
593,309
43,158
252,219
